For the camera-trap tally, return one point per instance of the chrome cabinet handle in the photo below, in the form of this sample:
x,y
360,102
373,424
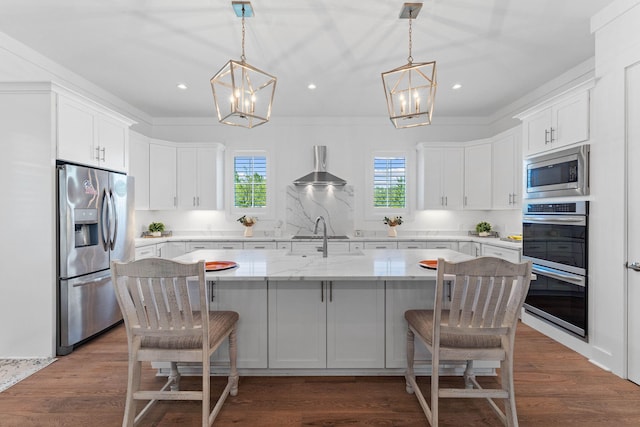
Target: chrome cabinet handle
x,y
551,134
546,136
446,201
103,149
635,266
330,291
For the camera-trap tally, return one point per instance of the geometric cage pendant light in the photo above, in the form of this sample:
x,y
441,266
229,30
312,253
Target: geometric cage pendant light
x,y
243,94
410,90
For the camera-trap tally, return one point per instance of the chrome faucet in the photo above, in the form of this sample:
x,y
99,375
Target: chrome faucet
x,y
324,238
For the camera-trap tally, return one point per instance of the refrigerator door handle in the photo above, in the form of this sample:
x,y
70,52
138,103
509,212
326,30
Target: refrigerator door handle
x,y
104,221
113,225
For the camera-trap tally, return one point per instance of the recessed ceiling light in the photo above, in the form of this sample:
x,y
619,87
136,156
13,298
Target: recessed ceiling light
x,y
456,86
311,86
182,86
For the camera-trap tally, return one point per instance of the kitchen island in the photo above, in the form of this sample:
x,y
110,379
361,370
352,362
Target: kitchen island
x,y
302,314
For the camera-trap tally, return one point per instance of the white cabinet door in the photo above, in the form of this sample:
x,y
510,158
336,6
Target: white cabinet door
x,y
162,177
506,176
186,178
512,255
432,185
537,132
112,141
571,119
209,179
297,324
249,300
139,168
469,248
453,178
173,249
355,324
403,295
477,176
76,132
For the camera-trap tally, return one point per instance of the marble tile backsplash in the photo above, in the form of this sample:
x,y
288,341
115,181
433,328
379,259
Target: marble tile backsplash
x,y
305,204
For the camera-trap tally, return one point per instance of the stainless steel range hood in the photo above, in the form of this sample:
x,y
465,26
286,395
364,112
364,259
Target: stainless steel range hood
x,y
320,176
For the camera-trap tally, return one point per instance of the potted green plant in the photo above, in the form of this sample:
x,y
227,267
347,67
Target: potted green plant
x,y
156,229
483,228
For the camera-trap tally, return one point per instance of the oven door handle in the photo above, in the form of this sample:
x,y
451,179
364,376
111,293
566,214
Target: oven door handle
x,y
555,274
554,220
635,266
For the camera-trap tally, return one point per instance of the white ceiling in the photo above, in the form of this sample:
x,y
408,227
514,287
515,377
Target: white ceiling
x,y
499,50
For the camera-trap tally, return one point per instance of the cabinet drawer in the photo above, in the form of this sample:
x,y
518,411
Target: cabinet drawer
x,y
194,246
381,245
309,247
146,252
259,245
442,245
285,246
229,245
504,253
412,245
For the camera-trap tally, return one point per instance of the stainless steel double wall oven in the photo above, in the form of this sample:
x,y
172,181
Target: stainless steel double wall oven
x,y
555,239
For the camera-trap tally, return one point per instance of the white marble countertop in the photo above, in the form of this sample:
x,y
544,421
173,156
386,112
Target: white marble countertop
x,y
377,264
139,242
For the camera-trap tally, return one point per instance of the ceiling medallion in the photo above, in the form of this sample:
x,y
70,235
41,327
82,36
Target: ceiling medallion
x,y
410,89
243,94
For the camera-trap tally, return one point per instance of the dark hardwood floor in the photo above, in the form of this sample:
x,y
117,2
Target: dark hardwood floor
x,y
554,387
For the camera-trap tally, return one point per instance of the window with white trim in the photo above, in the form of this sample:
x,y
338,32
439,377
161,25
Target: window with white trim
x,y
250,181
390,182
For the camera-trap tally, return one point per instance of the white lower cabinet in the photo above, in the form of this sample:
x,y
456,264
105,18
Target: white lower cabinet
x,y
322,324
470,248
403,295
194,246
512,255
297,324
249,299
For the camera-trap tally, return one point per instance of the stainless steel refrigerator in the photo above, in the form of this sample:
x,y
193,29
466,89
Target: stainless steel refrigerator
x,y
95,226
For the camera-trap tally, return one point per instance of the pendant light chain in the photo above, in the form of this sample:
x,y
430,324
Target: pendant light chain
x,y
410,58
242,58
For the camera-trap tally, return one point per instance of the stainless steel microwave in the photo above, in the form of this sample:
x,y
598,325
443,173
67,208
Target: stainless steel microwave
x,y
559,174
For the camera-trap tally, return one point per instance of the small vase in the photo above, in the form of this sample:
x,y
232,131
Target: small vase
x,y
391,232
248,232
483,233
155,233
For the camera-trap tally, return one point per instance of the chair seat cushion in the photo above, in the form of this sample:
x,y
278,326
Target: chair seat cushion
x,y
219,323
422,322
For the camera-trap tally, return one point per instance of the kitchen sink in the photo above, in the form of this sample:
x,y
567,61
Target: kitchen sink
x,y
318,237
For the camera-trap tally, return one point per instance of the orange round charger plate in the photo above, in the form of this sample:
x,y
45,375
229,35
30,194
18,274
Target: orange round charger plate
x,y
219,265
429,263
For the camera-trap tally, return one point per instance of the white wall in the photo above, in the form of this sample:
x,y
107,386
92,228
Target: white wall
x,y
617,47
27,257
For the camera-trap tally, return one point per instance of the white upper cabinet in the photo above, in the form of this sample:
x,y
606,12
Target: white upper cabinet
x,y
162,176
185,176
560,121
91,135
440,177
198,177
477,176
507,167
